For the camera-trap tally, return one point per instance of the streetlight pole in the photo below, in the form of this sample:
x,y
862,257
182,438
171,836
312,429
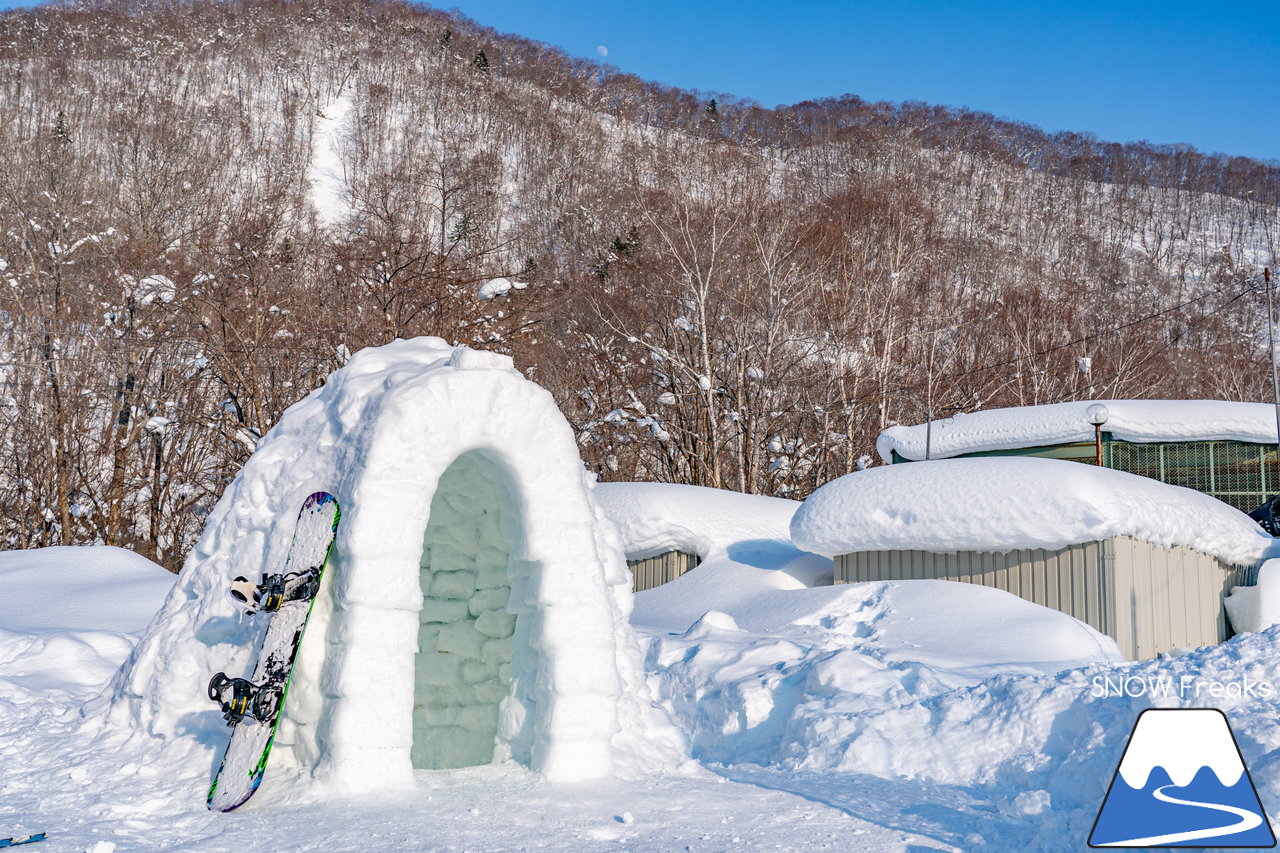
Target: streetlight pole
x,y
1097,415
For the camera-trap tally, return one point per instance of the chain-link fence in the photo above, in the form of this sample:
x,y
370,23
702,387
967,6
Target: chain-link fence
x,y
1241,474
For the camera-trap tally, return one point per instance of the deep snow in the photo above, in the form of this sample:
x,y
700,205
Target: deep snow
x,y
909,716
1006,503
880,717
1257,608
65,769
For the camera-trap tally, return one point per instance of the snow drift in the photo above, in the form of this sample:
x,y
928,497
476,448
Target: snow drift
x,y
404,432
94,588
744,542
72,615
1256,608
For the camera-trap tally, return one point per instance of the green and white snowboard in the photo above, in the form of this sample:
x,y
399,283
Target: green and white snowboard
x,y
252,706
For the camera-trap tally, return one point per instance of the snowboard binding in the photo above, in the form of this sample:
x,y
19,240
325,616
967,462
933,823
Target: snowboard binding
x,y
274,591
256,701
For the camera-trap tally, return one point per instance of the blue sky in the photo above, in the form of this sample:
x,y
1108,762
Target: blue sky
x,y
1207,73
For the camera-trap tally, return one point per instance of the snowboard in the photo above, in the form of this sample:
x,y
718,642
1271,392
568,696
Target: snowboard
x,y
252,706
26,839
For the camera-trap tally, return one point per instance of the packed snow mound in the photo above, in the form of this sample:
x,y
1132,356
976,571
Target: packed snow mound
x,y
71,617
1256,608
1004,504
653,518
1061,735
742,679
382,435
736,580
1060,423
96,588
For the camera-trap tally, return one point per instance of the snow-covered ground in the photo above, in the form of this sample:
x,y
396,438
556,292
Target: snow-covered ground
x,y
95,786
909,716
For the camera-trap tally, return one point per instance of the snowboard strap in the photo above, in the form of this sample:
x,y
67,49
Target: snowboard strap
x,y
256,701
274,592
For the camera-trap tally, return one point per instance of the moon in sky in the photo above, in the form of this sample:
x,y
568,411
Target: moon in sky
x,y
602,50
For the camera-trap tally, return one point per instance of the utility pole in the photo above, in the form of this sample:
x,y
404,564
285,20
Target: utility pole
x,y
1271,341
928,426
928,432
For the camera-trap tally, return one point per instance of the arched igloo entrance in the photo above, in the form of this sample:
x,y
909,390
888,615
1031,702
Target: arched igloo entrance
x,y
463,665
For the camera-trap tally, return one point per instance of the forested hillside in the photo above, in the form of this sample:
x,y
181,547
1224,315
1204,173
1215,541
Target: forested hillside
x,y
206,207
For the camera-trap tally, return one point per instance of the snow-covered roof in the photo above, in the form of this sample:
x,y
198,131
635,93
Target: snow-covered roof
x,y
1003,504
1061,423
653,518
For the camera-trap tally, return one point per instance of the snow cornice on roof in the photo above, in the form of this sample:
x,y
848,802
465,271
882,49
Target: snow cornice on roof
x,y
1005,504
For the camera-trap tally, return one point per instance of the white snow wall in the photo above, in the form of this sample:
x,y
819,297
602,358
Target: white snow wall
x,y
379,435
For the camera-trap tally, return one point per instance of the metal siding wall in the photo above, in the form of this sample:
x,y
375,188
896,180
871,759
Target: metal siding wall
x,y
1190,605
1025,581
1147,597
1211,591
1153,610
655,571
1174,598
1139,593
1151,631
1095,588
1120,598
1085,589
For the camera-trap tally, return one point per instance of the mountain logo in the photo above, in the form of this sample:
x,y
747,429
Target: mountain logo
x,y
1182,783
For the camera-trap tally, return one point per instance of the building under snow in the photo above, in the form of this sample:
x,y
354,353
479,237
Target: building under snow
x,y
1143,562
667,529
476,604
1221,448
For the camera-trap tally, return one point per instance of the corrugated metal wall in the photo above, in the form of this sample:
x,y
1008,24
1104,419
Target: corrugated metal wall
x,y
1148,598
655,571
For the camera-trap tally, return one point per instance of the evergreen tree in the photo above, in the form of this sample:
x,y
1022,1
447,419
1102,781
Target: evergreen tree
x,y
481,61
462,229
61,132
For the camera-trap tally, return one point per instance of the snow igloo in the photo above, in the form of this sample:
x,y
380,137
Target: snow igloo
x,y
475,607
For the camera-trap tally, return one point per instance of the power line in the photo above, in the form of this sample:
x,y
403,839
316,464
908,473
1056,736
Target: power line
x,y
1249,287
1119,328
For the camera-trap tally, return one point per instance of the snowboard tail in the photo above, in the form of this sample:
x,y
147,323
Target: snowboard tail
x,y
252,706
